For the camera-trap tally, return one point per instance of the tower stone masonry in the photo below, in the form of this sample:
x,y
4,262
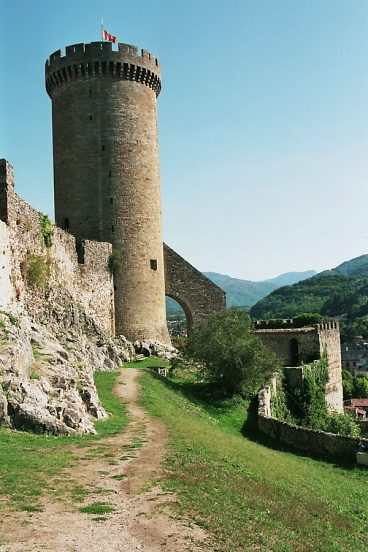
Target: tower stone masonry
x,y
106,170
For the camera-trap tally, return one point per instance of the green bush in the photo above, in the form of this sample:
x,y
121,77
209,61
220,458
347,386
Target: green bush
x,y
307,319
342,424
360,387
233,356
115,262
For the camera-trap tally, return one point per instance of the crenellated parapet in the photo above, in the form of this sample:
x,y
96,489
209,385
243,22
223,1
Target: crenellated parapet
x,y
332,325
99,59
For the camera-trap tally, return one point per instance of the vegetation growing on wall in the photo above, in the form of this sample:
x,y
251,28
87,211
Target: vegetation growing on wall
x,y
36,270
279,405
115,262
312,396
46,229
306,406
305,319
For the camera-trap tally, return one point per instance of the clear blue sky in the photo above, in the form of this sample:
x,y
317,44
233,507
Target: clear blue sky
x,y
263,121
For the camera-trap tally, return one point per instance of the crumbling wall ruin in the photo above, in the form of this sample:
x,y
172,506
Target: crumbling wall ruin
x,y
298,346
87,279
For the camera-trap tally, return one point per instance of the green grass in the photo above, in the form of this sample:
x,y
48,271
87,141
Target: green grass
x,y
31,464
248,496
97,508
149,362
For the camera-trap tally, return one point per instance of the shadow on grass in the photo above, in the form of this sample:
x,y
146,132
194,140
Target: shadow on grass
x,y
215,402
251,431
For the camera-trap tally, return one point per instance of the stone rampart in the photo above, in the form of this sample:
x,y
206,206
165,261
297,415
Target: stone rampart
x,y
89,283
198,296
319,443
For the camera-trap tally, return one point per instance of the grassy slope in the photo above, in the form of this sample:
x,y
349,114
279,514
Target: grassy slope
x,y
248,496
31,464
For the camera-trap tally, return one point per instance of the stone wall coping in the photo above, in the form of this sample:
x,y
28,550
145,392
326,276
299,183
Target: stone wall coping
x,y
306,329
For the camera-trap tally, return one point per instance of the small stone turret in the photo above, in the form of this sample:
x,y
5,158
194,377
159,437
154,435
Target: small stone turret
x,y
106,170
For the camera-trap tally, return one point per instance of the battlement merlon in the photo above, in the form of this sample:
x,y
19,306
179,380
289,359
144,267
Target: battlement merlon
x,y
287,325
6,174
99,58
6,191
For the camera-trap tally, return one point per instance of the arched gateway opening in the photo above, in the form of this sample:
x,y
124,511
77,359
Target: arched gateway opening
x,y
178,315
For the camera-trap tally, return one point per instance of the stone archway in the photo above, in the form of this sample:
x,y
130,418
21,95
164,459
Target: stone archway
x,y
196,294
187,310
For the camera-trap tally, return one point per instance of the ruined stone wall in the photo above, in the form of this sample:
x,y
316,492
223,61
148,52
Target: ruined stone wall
x,y
280,342
89,283
199,297
319,443
298,346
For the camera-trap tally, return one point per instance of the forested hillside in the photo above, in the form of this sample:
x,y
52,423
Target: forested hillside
x,y
341,292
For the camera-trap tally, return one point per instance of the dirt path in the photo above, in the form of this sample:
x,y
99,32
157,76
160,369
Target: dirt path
x,y
119,471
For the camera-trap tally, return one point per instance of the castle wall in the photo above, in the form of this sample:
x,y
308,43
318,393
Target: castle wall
x,y
319,443
199,297
90,284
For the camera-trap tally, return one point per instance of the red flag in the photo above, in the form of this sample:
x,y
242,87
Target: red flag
x,y
108,36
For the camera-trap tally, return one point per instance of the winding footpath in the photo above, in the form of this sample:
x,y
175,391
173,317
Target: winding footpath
x,y
143,516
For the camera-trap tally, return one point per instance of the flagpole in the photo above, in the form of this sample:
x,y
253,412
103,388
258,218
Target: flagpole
x,y
102,36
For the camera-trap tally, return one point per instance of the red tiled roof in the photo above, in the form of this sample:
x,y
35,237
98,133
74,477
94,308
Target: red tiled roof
x,y
359,402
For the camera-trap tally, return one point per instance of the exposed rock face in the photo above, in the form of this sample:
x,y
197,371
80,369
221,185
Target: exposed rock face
x,y
152,347
46,375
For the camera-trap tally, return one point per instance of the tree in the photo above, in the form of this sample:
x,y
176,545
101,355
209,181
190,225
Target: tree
x,y
234,357
347,384
360,387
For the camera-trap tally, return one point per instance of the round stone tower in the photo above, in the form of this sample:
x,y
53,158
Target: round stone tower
x,y
106,170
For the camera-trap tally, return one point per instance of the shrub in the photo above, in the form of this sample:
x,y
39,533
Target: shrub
x,y
342,424
360,387
234,357
307,319
115,262
46,229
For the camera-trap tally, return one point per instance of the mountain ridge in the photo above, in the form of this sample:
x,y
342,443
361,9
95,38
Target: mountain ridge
x,y
341,292
245,293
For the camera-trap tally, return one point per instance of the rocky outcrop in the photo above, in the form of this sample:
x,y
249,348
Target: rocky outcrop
x,y
46,370
151,347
